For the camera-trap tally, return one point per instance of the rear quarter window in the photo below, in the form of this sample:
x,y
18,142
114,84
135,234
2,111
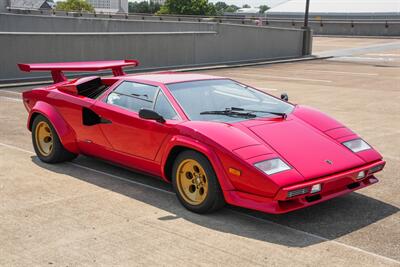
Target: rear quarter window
x,y
133,96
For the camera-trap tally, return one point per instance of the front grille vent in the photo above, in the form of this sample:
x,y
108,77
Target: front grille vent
x,y
297,192
376,168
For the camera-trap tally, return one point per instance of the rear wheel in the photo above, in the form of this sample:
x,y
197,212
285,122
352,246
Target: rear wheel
x,y
196,184
46,142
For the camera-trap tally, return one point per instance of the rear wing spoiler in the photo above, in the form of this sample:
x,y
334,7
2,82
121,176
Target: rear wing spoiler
x,y
57,69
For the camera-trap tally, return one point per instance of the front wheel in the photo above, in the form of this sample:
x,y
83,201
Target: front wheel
x,y
196,184
46,142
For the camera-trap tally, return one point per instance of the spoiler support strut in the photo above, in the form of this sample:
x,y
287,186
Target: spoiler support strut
x,y
58,76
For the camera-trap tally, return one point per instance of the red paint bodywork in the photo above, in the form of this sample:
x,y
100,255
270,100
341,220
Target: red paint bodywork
x,y
305,140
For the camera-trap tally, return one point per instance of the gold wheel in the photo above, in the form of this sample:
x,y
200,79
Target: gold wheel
x,y
192,181
44,138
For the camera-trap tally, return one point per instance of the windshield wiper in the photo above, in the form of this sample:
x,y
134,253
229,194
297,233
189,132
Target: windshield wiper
x,y
229,112
283,115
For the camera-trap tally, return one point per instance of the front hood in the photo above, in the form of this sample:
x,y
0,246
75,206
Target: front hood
x,y
305,148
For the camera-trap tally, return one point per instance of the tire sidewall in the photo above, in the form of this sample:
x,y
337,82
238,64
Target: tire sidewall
x,y
36,121
213,184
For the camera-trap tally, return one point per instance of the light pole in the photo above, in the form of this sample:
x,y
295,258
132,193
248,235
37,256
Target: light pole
x,y
306,13
307,34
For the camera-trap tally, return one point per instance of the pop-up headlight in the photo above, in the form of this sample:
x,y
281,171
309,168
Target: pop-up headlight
x,y
356,145
272,166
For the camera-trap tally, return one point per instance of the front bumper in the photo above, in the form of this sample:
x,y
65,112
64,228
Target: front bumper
x,y
332,186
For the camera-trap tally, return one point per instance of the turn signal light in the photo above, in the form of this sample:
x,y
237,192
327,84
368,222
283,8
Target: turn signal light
x,y
235,172
315,188
360,175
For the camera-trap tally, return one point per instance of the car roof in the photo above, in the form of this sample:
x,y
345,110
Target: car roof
x,y
171,77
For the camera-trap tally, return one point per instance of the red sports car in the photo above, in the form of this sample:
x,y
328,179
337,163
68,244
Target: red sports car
x,y
215,139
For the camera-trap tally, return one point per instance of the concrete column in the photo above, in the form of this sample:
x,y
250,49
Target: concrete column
x,y
307,41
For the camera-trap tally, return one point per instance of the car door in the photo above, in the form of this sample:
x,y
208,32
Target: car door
x,y
126,131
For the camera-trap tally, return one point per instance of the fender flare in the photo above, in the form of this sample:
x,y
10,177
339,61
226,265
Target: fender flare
x,y
216,163
66,134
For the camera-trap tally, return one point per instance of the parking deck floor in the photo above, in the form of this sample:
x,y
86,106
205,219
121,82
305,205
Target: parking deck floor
x,y
91,213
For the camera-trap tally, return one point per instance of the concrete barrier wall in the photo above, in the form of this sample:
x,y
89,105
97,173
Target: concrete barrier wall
x,y
381,28
46,23
155,50
360,26
358,29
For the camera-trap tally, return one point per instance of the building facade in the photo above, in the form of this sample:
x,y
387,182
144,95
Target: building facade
x,y
338,9
109,6
31,4
161,2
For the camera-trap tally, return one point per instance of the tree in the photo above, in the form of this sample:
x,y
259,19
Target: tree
x,y
154,7
187,7
246,6
231,9
263,8
75,5
211,10
220,6
144,7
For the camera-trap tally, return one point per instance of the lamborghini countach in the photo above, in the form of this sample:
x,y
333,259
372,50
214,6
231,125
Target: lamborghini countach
x,y
215,139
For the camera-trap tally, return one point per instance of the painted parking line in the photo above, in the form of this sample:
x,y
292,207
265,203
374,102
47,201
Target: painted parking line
x,y
281,77
330,44
121,178
10,92
11,98
233,211
297,71
296,79
392,157
320,237
94,170
361,49
267,89
362,59
383,55
344,72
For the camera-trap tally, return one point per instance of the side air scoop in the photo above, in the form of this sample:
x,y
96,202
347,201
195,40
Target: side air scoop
x,y
57,69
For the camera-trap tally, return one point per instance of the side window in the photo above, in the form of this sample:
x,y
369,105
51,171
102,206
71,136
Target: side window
x,y
164,108
133,96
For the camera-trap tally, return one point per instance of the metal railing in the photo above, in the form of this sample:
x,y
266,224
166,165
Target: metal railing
x,y
262,19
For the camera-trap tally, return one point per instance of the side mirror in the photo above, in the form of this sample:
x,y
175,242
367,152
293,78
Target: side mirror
x,y
285,97
148,114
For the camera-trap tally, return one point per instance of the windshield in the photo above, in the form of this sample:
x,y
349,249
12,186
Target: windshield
x,y
199,97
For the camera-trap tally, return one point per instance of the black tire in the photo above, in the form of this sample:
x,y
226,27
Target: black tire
x,y
214,199
58,152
